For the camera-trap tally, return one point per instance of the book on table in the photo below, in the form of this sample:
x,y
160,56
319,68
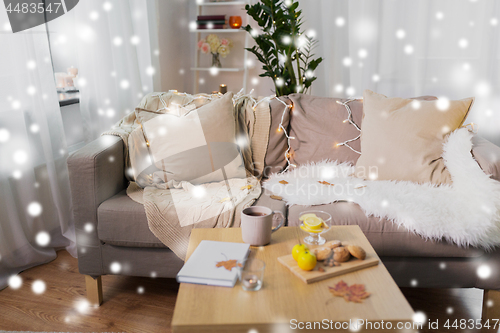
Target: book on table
x,y
201,267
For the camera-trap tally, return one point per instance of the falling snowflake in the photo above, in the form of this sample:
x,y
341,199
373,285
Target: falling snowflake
x,y
409,49
88,227
15,282
463,43
483,271
42,238
117,41
38,287
107,6
214,71
31,90
94,15
150,70
20,157
400,34
34,209
350,91
31,64
443,103
347,61
134,40
34,128
340,21
115,267
124,84
419,317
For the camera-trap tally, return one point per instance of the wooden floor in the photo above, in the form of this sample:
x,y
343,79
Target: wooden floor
x,y
62,306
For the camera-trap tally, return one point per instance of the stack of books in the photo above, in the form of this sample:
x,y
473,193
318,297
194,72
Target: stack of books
x,y
211,22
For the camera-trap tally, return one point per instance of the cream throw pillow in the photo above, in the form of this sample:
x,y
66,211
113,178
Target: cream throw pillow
x,y
198,146
402,139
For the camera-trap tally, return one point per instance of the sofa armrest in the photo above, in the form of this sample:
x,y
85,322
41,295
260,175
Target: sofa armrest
x,y
96,173
487,156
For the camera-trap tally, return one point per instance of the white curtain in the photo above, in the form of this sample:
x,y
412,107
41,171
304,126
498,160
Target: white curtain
x,y
407,48
35,217
117,59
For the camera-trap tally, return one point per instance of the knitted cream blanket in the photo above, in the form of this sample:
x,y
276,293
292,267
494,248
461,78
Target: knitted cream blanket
x,y
172,213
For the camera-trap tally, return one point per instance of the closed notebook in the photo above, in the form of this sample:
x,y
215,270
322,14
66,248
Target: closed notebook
x,y
201,267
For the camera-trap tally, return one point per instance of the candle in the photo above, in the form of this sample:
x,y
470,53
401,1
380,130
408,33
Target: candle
x,y
223,89
235,22
250,281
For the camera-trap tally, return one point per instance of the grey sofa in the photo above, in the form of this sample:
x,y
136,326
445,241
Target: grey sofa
x,y
112,228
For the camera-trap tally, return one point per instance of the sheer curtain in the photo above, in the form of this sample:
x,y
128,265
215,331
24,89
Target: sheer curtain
x,y
35,218
405,48
117,58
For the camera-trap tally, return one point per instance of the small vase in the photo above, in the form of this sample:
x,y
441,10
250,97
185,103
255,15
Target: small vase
x,y
216,60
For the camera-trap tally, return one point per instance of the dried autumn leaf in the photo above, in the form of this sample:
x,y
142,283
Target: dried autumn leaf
x,y
355,293
228,264
284,182
276,197
325,183
340,289
246,187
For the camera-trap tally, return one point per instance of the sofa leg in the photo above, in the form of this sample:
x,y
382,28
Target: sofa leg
x,y
491,309
94,290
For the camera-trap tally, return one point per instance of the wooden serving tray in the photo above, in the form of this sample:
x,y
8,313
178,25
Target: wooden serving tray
x,y
315,275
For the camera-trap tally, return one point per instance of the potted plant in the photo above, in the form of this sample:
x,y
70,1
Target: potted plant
x,y
282,47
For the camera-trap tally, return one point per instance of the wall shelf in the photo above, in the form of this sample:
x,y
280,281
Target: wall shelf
x,y
223,31
197,68
219,69
223,3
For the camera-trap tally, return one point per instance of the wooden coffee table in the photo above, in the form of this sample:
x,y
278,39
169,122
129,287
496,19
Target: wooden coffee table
x,y
284,297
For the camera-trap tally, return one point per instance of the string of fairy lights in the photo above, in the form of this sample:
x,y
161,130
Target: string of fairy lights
x,y
349,119
288,108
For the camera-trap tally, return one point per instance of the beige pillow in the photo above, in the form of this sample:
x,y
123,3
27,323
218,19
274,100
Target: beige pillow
x,y
152,105
198,146
402,139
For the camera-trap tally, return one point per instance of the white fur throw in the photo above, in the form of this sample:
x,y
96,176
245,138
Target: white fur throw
x,y
466,212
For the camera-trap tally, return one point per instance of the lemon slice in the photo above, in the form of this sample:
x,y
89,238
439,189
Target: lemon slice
x,y
306,229
305,216
313,222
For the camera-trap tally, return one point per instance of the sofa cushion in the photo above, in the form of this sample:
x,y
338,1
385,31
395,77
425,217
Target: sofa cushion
x,y
123,222
317,124
204,139
403,139
386,237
